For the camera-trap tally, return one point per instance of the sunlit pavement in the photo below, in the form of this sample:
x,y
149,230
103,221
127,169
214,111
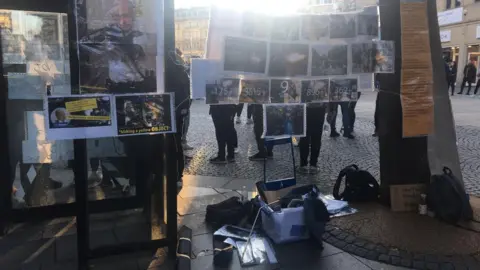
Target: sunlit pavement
x,y
335,153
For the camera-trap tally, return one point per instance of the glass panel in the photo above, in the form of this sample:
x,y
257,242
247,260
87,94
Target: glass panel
x,y
35,53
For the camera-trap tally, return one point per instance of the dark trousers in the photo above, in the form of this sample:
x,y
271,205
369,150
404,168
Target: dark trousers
x,y
477,87
465,81
222,116
249,111
311,144
348,115
257,111
178,142
352,116
375,116
451,85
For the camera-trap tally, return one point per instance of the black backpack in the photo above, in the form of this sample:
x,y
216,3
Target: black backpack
x,y
447,198
360,185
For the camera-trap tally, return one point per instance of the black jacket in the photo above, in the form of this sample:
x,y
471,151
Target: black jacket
x,y
470,72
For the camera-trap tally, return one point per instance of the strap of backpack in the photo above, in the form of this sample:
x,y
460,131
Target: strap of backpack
x,y
336,187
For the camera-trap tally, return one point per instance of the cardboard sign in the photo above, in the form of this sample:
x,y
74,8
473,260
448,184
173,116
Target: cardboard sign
x,y
405,198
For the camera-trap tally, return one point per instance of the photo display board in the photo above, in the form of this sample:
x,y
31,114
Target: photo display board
x,y
120,87
296,59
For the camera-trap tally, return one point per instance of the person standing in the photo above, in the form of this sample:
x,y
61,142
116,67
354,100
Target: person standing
x,y
451,72
223,120
263,152
469,73
478,83
311,144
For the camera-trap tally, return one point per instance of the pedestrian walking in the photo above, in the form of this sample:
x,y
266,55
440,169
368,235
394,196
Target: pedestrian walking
x,y
311,144
222,116
469,74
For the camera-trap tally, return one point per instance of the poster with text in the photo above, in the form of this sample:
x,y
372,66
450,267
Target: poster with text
x,y
343,89
245,55
342,26
117,43
285,91
256,25
315,27
224,91
145,114
76,117
285,28
315,91
329,60
288,59
255,91
282,120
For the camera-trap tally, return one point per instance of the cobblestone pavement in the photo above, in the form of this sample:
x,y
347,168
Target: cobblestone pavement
x,y
335,153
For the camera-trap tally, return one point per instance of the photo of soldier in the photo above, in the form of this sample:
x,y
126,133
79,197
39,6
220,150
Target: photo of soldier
x,y
329,60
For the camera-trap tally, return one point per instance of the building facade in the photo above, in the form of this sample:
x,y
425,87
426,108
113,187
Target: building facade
x,y
459,22
191,29
328,6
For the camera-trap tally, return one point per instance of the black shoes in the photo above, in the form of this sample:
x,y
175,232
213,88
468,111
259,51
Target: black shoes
x,y
218,160
258,157
231,159
334,134
348,136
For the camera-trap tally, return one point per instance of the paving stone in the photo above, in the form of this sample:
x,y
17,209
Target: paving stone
x,y
431,258
349,248
384,258
419,264
394,252
360,251
360,243
396,260
350,239
372,255
432,266
406,262
447,266
370,246
380,249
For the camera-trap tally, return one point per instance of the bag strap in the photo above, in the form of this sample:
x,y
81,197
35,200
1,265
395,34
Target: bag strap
x,y
336,187
447,171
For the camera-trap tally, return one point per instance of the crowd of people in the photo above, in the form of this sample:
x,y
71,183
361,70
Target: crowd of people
x,y
470,75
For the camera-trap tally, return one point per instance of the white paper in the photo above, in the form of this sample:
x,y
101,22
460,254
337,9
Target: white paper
x,y
201,71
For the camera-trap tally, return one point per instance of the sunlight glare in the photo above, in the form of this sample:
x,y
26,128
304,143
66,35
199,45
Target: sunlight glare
x,y
273,7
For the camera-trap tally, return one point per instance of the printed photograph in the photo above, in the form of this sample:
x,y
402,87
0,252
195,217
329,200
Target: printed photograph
x,y
255,91
329,60
79,112
385,57
315,91
367,25
224,91
118,46
288,59
343,90
342,26
285,28
285,91
256,25
144,114
315,27
364,57
245,55
284,120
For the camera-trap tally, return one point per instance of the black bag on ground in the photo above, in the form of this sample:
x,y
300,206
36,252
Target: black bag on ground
x,y
447,198
360,185
228,212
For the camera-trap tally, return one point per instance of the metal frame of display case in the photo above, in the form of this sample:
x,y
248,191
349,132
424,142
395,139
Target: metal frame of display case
x,y
82,207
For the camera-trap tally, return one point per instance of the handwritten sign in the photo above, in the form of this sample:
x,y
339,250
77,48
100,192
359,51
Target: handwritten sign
x,y
405,198
42,68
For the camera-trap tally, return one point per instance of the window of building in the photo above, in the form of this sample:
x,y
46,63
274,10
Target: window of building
x,y
454,3
322,2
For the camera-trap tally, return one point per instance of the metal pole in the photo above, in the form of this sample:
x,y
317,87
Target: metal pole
x,y
80,150
170,153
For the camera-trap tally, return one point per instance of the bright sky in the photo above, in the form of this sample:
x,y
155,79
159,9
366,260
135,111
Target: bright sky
x,y
270,6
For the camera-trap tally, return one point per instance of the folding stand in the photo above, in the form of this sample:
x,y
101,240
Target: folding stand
x,y
276,184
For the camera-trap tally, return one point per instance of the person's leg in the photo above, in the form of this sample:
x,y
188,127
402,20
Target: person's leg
x,y
451,85
316,134
469,87
179,145
249,111
477,87
239,109
353,115
258,131
94,164
232,139
332,119
347,126
304,146
217,122
376,117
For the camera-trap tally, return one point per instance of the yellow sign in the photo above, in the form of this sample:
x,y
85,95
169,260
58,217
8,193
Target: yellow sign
x,y
81,105
88,118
